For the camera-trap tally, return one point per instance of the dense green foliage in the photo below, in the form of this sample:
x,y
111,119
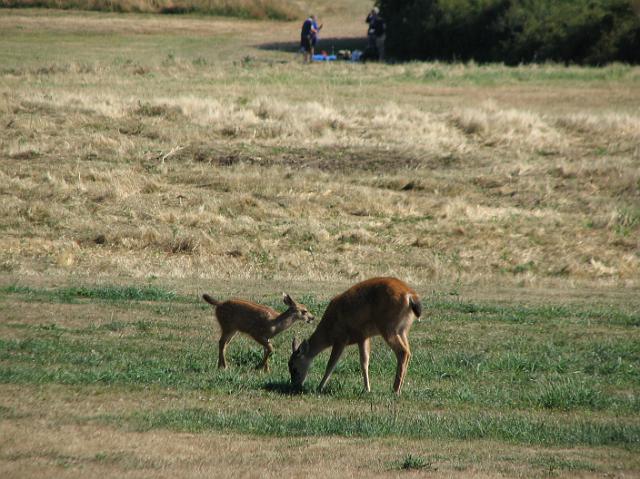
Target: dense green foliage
x,y
514,31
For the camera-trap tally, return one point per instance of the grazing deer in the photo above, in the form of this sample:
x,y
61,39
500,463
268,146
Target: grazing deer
x,y
258,321
384,306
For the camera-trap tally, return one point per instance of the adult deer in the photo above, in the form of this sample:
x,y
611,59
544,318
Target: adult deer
x,y
256,320
378,306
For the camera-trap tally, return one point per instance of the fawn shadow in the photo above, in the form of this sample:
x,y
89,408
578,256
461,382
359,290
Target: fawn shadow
x,y
329,44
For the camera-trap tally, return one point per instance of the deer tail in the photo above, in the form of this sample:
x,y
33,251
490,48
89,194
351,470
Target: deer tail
x,y
416,305
210,300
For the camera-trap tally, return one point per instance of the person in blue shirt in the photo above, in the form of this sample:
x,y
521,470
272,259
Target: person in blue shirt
x,y
315,32
309,37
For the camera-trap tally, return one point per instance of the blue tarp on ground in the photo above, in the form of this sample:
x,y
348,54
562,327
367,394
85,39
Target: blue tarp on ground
x,y
323,58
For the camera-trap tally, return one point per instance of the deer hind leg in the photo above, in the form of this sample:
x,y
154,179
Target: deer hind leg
x,y
225,338
400,346
336,352
268,351
365,347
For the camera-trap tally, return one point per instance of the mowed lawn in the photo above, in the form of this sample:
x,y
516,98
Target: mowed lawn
x,y
145,160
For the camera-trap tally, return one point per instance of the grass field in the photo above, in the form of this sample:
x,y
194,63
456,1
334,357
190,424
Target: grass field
x,y
494,388
147,159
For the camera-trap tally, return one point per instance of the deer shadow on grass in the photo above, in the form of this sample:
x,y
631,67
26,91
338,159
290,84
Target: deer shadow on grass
x,y
284,388
329,44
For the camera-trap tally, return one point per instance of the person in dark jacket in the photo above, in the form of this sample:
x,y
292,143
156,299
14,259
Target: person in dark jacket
x,y
379,29
309,36
371,37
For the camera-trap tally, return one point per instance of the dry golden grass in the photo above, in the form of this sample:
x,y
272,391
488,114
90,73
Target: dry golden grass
x,y
192,154
66,438
276,9
36,451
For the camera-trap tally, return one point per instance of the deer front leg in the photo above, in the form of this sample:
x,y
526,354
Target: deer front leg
x,y
336,352
364,347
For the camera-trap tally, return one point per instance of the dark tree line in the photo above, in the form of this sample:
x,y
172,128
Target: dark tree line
x,y
590,32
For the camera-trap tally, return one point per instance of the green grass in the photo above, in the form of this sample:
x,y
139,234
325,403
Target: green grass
x,y
156,58
113,51
414,462
106,293
511,428
546,374
552,464
492,75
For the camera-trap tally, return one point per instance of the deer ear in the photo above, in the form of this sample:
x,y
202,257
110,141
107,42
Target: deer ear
x,y
304,347
294,345
286,299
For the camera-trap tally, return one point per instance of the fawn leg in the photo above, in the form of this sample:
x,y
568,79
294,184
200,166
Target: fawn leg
x,y
268,351
225,338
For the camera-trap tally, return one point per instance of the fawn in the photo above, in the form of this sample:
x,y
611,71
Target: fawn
x,y
378,306
256,320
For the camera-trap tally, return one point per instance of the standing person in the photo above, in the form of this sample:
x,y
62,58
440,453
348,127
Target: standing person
x,y
308,37
379,28
315,30
371,37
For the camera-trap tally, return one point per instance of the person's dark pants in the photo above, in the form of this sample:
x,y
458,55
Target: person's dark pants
x,y
380,46
371,41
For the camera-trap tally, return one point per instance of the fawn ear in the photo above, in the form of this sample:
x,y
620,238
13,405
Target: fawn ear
x,y
288,300
294,345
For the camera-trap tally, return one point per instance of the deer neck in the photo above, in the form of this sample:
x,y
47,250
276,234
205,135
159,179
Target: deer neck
x,y
282,322
318,342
